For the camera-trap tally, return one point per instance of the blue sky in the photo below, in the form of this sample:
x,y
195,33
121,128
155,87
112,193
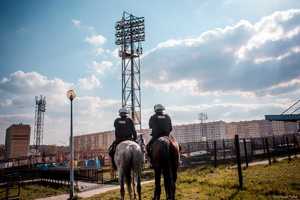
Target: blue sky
x,y
235,60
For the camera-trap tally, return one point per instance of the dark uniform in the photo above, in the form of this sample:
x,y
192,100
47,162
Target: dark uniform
x,y
124,130
161,125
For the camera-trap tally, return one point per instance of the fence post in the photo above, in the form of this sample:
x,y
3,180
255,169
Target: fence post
x,y
215,153
264,145
274,142
268,150
7,189
252,148
288,147
283,140
245,151
224,150
238,160
295,144
207,146
207,152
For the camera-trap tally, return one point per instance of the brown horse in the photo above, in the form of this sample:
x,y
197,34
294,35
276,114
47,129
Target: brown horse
x,y
165,160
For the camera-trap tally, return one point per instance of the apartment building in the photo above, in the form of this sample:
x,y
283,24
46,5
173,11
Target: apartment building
x,y
17,141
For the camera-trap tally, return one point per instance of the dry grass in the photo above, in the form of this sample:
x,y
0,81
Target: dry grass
x,y
34,191
278,181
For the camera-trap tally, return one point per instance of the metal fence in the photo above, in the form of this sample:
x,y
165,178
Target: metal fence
x,y
227,151
224,151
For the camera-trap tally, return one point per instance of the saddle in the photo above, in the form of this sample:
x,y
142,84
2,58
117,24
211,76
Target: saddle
x,y
174,148
112,150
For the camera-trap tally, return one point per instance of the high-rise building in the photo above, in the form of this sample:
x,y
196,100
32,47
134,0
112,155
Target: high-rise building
x,y
290,127
215,130
231,130
189,132
259,128
278,127
265,128
17,141
198,132
92,145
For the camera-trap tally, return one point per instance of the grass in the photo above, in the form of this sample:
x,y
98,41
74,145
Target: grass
x,y
281,180
34,191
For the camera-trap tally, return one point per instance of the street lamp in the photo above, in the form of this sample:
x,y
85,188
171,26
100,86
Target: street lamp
x,y
71,95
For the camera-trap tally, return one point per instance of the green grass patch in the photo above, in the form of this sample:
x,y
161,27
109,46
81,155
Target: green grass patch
x,y
281,180
34,191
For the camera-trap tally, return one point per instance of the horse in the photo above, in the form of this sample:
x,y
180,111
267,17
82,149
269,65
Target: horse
x,y
165,160
129,160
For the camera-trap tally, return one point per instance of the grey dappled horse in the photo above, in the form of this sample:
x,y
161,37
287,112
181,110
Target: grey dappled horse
x,y
129,161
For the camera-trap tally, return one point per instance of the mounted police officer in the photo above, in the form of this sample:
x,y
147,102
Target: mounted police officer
x,y
161,125
124,130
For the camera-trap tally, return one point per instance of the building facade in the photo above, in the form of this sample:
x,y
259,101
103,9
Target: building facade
x,y
198,132
92,145
189,132
17,141
259,128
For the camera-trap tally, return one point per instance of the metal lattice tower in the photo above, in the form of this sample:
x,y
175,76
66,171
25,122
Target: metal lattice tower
x,y
130,32
202,117
40,108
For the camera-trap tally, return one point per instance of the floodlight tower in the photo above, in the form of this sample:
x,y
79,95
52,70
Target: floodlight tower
x,y
40,108
202,117
130,32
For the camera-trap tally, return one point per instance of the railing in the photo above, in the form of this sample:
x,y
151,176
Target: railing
x,y
195,153
224,151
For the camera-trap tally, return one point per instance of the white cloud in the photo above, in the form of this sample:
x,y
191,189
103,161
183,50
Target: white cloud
x,y
23,83
96,40
89,83
186,86
76,23
245,57
115,53
99,51
101,67
17,93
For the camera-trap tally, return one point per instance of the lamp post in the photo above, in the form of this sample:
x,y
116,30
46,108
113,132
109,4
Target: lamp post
x,y
71,95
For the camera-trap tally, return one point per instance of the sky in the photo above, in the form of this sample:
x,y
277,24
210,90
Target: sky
x,y
235,60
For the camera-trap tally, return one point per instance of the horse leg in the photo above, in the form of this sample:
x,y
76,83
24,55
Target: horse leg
x,y
121,182
174,181
138,182
157,190
128,183
169,183
133,185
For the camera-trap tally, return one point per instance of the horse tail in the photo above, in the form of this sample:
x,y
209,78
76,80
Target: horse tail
x,y
168,170
128,170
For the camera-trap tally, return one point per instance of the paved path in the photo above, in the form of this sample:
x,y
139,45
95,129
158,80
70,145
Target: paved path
x,y
101,189
266,162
